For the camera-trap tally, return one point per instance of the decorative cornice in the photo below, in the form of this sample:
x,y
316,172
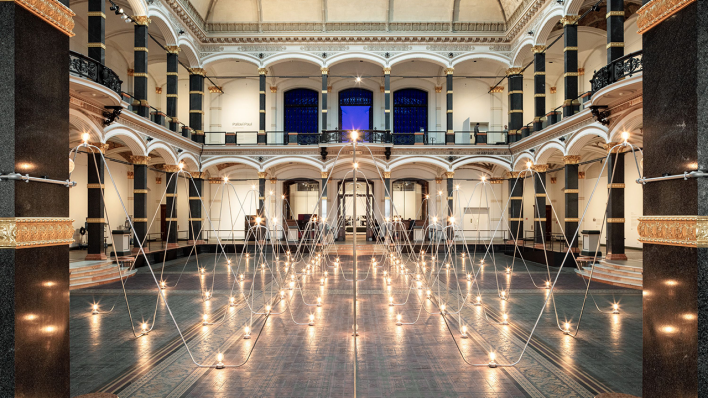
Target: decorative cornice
x,y
170,168
687,231
24,232
656,11
52,12
198,175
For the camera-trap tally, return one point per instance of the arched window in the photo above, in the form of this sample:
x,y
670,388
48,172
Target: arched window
x,y
356,109
301,110
410,110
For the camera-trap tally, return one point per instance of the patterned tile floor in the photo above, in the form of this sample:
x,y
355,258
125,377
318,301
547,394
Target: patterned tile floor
x,y
291,360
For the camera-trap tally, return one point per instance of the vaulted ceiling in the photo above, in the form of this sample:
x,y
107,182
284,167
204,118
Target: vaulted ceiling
x,y
322,11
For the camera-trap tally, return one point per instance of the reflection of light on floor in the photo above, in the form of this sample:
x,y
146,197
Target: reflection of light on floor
x,y
616,328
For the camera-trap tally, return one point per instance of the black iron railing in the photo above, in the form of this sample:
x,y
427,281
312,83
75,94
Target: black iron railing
x,y
83,66
617,70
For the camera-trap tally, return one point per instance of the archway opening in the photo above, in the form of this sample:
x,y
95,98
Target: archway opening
x,y
364,202
410,110
300,110
356,109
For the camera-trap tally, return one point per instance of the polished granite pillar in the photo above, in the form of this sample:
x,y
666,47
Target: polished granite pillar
x,y
539,86
516,206
450,129
140,58
262,72
539,216
196,189
387,195
34,138
516,103
172,180
675,224
615,204
570,62
96,220
172,86
387,99
450,202
96,30
196,104
323,186
325,75
615,29
140,190
261,193
571,200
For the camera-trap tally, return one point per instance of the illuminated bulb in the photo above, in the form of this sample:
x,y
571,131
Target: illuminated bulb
x,y
548,284
219,361
566,328
615,308
356,165
282,294
202,270
390,301
503,294
144,326
181,166
226,179
321,281
258,220
358,79
508,270
270,192
484,178
232,301
625,136
282,196
312,319
439,193
417,277
246,332
325,274
319,301
95,309
398,319
505,319
263,266
492,357
457,187
528,165
267,309
464,331
442,309
419,283
275,220
389,281
85,137
207,295
253,186
205,317
291,285
479,301
447,265
427,293
385,272
240,277
452,220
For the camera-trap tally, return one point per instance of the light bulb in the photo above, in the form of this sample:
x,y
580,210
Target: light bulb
x,y
312,319
95,309
144,326
226,179
205,317
85,137
457,186
492,357
253,186
398,319
291,285
452,220
240,276
528,165
358,79
464,331
181,165
270,192
508,270
615,308
321,281
246,332
232,301
442,308
505,319
356,165
275,220
282,196
355,134
548,284
258,220
282,294
390,301
435,219
625,136
479,300
439,193
319,301
484,178
447,265
267,309
219,357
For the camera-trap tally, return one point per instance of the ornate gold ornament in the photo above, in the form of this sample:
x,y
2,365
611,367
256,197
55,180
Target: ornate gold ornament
x,y
450,174
197,71
273,89
24,232
387,71
142,20
554,90
449,71
198,175
324,174
216,89
170,168
687,231
581,175
140,159
262,71
172,49
496,89
324,71
513,71
538,49
540,168
387,174
571,159
52,12
656,11
262,174
438,89
216,180
512,174
131,175
570,20
158,90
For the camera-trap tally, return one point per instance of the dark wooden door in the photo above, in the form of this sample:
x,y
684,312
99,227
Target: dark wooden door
x,y
163,222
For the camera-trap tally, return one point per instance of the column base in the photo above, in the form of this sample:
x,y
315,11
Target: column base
x,y
172,245
198,242
94,257
136,250
621,256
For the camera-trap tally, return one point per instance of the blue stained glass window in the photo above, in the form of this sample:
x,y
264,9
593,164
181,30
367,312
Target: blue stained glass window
x,y
410,110
301,110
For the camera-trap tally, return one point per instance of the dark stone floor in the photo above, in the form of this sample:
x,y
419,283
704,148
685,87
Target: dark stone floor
x,y
419,360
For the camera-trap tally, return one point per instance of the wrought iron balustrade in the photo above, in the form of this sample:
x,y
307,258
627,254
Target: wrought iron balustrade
x,y
617,70
343,136
88,68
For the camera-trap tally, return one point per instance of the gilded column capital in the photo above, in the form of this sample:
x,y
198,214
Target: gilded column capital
x,y
325,71
142,20
538,49
140,160
496,180
170,168
198,175
496,89
273,89
387,71
438,180
610,145
449,71
262,71
571,159
215,89
262,174
216,180
101,146
512,174
450,174
197,71
540,168
513,71
172,49
387,174
273,180
570,20
438,89
324,174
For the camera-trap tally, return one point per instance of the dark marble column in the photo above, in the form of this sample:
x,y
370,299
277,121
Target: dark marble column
x,y
615,29
96,207
140,76
450,133
615,205
539,86
570,51
450,202
97,30
261,193
387,99
516,206
140,190
387,195
675,313
172,86
325,75
324,208
262,72
196,104
539,215
34,138
196,189
172,180
571,200
516,103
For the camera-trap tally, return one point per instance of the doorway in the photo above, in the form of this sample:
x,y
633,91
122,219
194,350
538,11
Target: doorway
x,y
365,222
356,110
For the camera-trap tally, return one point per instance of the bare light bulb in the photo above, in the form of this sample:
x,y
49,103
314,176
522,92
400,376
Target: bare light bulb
x,y
528,165
258,220
246,332
319,301
398,319
312,319
464,331
232,301
625,136
390,301
85,137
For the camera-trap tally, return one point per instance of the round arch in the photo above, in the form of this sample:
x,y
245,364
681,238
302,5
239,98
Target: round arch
x,y
546,26
524,47
430,57
82,123
291,159
231,159
280,58
139,7
377,164
504,61
161,21
167,153
546,151
221,57
190,161
578,140
129,137
481,159
629,122
422,159
356,56
521,160
190,51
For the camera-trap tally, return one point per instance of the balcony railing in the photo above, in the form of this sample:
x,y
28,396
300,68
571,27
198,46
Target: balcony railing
x,y
83,66
617,70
